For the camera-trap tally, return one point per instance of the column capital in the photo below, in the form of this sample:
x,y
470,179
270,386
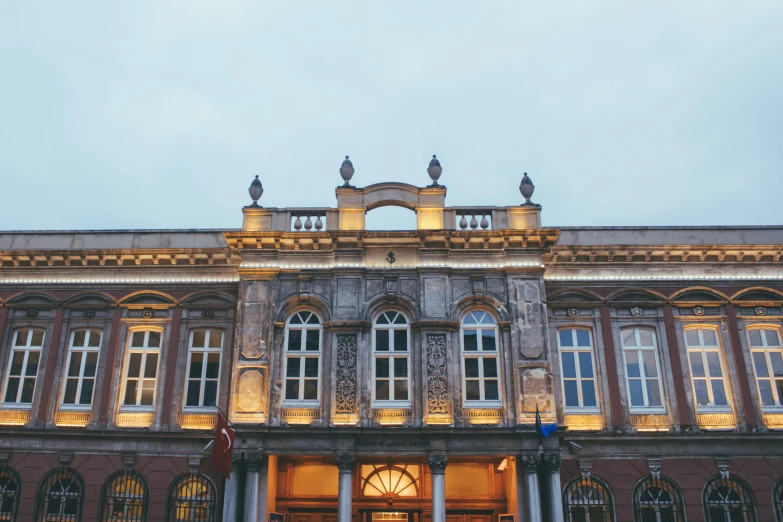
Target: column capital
x,y
345,463
253,461
552,461
530,462
437,464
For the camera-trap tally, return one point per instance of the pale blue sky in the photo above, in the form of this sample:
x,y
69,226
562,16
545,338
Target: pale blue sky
x,y
158,114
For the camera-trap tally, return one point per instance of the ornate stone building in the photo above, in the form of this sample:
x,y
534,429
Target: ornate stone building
x,y
393,376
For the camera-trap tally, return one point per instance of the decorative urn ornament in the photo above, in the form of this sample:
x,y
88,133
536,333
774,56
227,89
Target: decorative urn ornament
x,y
434,170
256,191
526,188
346,171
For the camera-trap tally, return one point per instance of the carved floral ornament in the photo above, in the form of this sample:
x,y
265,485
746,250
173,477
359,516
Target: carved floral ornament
x,y
698,310
636,311
345,395
437,385
760,310
572,312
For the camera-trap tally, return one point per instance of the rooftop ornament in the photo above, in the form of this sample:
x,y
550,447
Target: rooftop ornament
x,y
346,171
434,170
255,190
526,188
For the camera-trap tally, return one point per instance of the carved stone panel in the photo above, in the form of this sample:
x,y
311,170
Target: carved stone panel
x,y
345,395
527,324
434,297
347,297
250,390
254,319
535,390
437,385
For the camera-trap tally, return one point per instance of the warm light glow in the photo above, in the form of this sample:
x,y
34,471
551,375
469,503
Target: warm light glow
x,y
503,464
390,481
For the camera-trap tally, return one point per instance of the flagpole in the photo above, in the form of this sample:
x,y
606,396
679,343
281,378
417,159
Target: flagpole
x,y
231,424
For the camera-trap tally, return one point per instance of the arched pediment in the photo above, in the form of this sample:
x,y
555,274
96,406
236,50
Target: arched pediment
x,y
391,193
209,299
698,294
148,297
757,294
32,299
636,295
97,299
572,295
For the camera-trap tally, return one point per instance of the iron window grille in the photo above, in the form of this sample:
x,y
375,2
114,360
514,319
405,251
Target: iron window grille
x,y
10,489
192,499
657,499
588,500
728,499
60,497
125,497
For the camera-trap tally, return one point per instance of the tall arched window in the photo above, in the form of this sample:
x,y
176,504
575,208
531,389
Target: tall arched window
x,y
302,358
60,497
657,500
777,500
192,499
578,370
480,365
10,488
587,500
728,500
23,366
642,370
125,498
141,374
767,353
391,360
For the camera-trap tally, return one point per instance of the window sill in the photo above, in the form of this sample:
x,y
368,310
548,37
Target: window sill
x,y
647,411
75,407
583,411
16,406
199,409
301,404
482,404
381,405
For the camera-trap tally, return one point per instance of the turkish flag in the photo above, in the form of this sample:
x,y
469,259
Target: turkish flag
x,y
223,447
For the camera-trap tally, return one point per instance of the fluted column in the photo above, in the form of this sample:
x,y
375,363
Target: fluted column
x,y
231,492
252,481
438,472
530,464
552,465
345,465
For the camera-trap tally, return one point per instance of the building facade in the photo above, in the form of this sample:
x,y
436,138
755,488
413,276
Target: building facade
x,y
393,376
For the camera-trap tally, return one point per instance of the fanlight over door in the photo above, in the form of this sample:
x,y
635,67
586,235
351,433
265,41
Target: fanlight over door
x,y
391,481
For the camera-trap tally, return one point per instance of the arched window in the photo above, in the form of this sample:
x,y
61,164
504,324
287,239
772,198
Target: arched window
x,y
302,358
205,348
587,500
23,366
10,488
765,348
141,374
642,370
60,497
480,366
400,480
80,368
391,365
578,370
125,498
728,500
192,499
657,500
777,500
707,373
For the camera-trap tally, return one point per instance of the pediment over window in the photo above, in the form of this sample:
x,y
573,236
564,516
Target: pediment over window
x,y
148,298
32,299
90,299
757,294
574,296
699,296
210,300
636,296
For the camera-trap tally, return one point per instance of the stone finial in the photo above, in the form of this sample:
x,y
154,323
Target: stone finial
x,y
526,188
346,171
434,170
256,191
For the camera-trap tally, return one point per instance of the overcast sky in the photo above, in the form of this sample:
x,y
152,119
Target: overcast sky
x,y
158,114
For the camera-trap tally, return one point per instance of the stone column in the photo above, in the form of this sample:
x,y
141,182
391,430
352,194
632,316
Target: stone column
x,y
345,464
552,464
530,464
438,471
253,463
231,492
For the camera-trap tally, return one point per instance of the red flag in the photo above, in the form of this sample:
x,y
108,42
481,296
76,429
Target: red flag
x,y
223,447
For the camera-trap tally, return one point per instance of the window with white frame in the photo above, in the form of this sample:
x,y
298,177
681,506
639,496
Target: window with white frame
x,y
81,367
204,353
642,370
23,362
480,366
767,353
302,358
578,370
707,371
391,363
141,375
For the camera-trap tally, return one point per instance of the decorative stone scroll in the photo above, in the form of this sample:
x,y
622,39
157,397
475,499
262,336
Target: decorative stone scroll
x,y
437,385
345,395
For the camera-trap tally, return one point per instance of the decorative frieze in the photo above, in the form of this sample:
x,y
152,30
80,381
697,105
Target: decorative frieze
x,y
345,391
650,422
584,422
198,421
134,420
483,415
716,421
392,416
299,415
14,417
437,384
72,419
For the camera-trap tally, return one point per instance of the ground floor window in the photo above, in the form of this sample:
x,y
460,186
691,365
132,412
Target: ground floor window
x,y
587,500
728,499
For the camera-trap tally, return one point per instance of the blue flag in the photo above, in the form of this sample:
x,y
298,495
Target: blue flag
x,y
543,431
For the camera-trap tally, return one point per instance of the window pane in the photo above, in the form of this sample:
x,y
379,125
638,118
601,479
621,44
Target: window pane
x,y
400,367
75,364
653,392
296,319
765,390
79,337
194,390
21,337
650,367
491,390
12,389
38,336
772,337
292,367
401,390
383,319
629,337
292,389
91,365
702,398
632,364
148,392
382,367
313,319
70,391
215,338
210,393
472,391
137,340
311,367
777,363
586,364
697,366
28,386
154,341
16,363
382,390
755,337
294,340
151,366
582,338
399,319
381,340
569,365
566,338
488,340
490,367
94,338
470,319
713,363
710,339
470,340
32,364
779,385
760,363
646,338
312,343
400,340
719,393
196,361
588,393
637,398
199,338
692,337
213,365
310,390
471,368
571,393
86,395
